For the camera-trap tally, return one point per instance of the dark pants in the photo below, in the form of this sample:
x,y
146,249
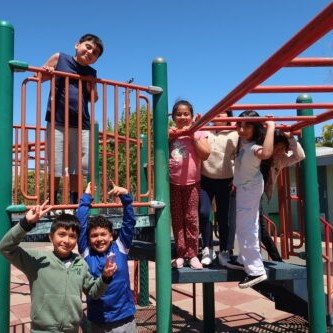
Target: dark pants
x,y
220,190
266,238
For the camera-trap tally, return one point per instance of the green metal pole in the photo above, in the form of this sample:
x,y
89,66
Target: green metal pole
x,y
208,307
314,261
6,139
144,272
162,193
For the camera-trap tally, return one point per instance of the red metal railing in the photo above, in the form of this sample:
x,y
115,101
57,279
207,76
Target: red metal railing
x,y
271,229
30,146
328,258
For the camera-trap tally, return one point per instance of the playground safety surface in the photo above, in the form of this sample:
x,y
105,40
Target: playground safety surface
x,y
236,310
182,321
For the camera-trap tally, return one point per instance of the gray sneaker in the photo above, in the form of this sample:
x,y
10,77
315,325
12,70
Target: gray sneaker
x,y
224,257
233,264
208,256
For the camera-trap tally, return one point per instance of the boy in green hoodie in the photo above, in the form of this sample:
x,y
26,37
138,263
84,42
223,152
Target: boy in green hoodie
x,y
56,278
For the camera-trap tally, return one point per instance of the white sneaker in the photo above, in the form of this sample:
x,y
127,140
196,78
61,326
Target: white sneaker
x,y
58,212
224,257
208,256
55,213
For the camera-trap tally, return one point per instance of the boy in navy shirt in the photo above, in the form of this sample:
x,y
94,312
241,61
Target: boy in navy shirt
x,y
87,51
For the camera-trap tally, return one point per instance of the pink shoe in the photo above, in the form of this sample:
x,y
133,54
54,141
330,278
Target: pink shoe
x,y
177,263
195,263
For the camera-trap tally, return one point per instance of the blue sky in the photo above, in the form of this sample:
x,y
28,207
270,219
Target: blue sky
x,y
210,46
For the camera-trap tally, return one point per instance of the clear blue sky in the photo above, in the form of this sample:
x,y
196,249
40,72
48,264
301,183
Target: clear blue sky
x,y
210,46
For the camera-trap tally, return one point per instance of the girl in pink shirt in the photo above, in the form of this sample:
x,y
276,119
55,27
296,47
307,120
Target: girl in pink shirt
x,y
186,151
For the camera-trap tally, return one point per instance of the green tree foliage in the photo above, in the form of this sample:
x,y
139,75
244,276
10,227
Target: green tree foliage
x,y
18,197
122,165
122,148
326,138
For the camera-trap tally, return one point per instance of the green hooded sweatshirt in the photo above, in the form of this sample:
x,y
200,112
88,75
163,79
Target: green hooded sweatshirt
x,y
56,291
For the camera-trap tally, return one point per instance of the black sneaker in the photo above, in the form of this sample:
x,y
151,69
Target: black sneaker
x,y
250,281
233,264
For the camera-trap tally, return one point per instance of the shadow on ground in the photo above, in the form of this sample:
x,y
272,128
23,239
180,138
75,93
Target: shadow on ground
x,y
183,321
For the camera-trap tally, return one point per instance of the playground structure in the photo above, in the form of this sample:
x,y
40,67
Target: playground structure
x,y
151,196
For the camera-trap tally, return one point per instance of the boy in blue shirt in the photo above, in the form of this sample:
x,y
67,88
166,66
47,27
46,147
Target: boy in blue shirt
x,y
114,312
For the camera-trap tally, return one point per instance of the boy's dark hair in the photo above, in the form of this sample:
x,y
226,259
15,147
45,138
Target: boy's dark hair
x,y
182,102
66,221
98,221
279,137
265,165
95,39
230,114
258,133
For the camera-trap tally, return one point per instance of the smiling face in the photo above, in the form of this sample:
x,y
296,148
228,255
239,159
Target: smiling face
x,y
87,53
245,131
182,116
64,242
221,119
100,239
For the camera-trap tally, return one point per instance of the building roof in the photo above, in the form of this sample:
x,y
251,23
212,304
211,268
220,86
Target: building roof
x,y
324,156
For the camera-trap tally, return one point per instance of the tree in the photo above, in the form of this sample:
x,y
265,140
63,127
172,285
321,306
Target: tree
x,y
122,150
122,131
30,188
326,139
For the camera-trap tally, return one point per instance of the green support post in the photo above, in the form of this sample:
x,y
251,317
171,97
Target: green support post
x,y
144,271
208,307
6,139
162,193
314,261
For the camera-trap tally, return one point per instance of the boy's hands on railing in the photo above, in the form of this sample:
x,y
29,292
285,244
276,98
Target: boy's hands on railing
x,y
37,212
288,135
49,69
91,87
